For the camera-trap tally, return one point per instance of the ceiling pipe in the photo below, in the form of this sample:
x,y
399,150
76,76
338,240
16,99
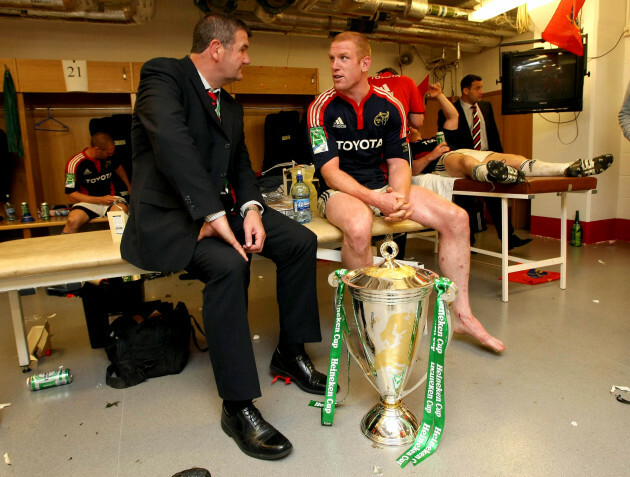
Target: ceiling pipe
x,y
122,12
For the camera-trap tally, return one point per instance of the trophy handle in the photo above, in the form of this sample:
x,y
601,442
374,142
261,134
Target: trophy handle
x,y
450,335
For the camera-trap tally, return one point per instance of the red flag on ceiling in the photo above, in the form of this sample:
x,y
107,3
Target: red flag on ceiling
x,y
423,87
562,29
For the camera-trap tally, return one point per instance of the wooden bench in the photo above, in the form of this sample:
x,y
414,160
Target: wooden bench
x,y
26,227
45,261
560,186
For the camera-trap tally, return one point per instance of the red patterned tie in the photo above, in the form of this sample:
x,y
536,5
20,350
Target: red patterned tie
x,y
213,95
476,128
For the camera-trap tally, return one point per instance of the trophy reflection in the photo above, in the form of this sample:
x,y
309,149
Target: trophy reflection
x,y
390,303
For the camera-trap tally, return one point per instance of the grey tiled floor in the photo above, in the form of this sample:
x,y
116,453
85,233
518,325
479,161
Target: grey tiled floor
x,y
541,408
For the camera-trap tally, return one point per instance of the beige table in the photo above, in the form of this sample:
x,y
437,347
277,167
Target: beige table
x,y
45,261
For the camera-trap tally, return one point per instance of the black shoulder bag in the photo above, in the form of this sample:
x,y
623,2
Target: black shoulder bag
x,y
155,341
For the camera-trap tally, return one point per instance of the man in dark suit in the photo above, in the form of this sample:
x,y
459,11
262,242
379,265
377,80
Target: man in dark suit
x,y
487,139
197,206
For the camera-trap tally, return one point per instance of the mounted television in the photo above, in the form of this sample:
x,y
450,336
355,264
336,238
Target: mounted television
x,y
542,80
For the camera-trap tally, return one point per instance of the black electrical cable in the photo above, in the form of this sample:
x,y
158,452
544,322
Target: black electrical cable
x,y
616,44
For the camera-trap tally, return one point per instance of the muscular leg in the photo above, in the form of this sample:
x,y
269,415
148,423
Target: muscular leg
x,y
76,219
531,167
460,165
452,223
354,218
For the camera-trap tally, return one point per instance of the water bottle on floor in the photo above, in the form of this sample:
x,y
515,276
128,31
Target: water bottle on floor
x,y
301,194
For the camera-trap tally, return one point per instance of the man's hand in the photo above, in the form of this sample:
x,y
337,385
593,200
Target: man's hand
x,y
393,205
107,199
254,232
221,228
438,150
434,90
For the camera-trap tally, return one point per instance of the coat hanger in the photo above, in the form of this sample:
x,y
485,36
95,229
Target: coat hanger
x,y
38,126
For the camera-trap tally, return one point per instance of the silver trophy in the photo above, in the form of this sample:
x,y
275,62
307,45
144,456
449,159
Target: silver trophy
x,y
390,303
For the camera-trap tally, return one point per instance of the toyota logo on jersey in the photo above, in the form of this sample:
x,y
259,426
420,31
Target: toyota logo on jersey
x,y
363,144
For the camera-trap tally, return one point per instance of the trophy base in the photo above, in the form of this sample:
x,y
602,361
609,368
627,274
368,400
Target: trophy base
x,y
390,424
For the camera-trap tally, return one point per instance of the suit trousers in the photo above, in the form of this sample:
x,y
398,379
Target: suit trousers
x,y
292,247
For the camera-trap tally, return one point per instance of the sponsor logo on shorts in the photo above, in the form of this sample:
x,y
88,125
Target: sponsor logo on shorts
x,y
381,118
318,140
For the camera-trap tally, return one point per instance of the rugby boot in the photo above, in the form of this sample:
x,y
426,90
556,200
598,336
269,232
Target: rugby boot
x,y
500,172
589,167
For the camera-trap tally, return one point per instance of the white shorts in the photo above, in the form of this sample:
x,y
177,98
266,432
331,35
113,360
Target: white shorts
x,y
98,210
327,194
440,168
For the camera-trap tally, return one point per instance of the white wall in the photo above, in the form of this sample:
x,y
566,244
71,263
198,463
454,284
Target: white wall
x,y
596,131
623,207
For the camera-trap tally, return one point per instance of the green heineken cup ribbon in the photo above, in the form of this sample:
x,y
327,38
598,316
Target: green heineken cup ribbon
x,y
330,396
430,432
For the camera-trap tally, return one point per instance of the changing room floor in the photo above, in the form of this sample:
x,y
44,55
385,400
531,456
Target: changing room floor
x,y
542,408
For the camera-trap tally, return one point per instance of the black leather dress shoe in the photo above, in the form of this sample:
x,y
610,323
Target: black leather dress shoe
x,y
301,369
516,241
255,436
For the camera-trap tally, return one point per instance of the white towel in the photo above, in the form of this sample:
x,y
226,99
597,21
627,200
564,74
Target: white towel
x,y
439,184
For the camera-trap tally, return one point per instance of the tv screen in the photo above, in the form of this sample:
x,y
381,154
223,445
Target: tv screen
x,y
542,80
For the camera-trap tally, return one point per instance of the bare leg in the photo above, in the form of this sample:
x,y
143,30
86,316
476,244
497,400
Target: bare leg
x,y
452,223
460,165
354,218
76,219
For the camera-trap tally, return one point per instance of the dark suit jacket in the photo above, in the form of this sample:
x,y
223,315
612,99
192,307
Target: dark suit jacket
x,y
182,156
462,137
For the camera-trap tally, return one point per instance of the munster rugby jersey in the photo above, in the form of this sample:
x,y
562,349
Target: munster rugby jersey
x,y
89,176
403,87
362,135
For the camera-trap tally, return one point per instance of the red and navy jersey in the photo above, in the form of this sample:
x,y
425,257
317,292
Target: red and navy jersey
x,y
421,148
403,87
362,135
89,176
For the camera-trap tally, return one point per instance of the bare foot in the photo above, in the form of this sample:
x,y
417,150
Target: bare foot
x,y
470,325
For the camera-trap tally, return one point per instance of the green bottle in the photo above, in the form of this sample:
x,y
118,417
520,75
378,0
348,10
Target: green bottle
x,y
576,231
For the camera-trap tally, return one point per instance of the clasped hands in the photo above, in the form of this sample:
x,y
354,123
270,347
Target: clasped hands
x,y
252,227
394,206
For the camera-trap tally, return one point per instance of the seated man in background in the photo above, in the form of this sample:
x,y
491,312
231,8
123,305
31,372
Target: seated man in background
x,y
358,130
89,183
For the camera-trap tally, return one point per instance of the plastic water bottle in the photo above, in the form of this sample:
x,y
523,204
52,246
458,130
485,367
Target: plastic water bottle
x,y
9,210
301,200
576,231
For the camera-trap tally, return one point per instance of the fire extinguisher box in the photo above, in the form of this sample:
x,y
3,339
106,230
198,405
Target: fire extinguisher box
x,y
104,302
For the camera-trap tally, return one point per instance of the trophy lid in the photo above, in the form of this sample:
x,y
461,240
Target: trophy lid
x,y
389,274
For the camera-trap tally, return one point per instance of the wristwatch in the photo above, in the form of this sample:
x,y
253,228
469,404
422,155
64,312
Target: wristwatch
x,y
251,207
